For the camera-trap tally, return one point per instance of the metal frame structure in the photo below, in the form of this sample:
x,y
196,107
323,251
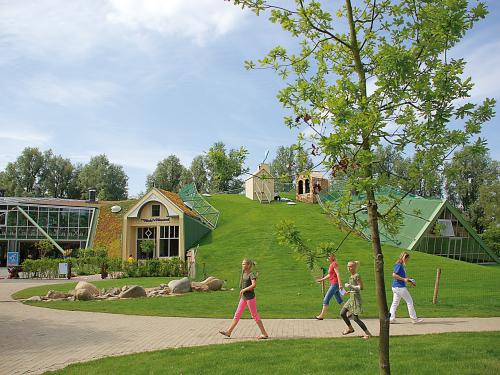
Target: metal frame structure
x,y
39,214
194,200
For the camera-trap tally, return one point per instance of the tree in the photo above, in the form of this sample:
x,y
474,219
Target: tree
x,y
289,161
108,179
224,168
393,169
186,177
199,173
44,247
4,183
470,168
484,213
384,77
283,165
167,174
23,175
491,237
58,179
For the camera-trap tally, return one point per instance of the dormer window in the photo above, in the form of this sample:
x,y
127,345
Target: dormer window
x,y
155,210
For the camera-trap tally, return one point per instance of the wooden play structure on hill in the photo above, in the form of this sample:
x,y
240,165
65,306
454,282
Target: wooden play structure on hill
x,y
260,185
309,185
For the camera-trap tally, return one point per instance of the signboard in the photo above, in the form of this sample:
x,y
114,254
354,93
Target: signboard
x,y
63,268
155,219
12,259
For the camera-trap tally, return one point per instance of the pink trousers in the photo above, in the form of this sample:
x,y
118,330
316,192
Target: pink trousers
x,y
252,307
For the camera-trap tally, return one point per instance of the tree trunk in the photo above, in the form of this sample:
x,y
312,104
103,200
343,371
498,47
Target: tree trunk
x,y
383,313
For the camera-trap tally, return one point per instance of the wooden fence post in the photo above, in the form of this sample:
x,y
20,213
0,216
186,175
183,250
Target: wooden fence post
x,y
436,286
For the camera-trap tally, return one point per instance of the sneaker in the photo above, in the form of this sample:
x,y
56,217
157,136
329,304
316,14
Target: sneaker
x,y
392,321
416,321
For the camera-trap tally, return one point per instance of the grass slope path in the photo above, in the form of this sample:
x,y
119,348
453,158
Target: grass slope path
x,y
287,289
35,340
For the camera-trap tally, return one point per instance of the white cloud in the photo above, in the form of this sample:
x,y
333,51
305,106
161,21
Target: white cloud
x,y
483,66
69,93
198,20
61,30
15,134
51,29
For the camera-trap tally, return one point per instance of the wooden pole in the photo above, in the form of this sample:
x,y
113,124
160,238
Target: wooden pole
x,y
436,286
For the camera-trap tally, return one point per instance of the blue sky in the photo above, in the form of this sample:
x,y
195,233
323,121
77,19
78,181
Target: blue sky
x,y
140,80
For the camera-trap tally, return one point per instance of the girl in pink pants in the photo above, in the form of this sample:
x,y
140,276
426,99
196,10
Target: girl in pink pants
x,y
248,283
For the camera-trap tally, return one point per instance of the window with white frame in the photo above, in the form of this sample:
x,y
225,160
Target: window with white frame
x,y
447,228
3,218
169,241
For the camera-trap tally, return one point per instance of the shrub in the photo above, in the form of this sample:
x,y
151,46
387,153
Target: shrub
x,y
44,268
156,267
491,237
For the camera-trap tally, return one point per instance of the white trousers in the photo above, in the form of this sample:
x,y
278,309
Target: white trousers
x,y
403,293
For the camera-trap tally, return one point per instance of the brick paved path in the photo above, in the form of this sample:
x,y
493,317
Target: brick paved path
x,y
34,340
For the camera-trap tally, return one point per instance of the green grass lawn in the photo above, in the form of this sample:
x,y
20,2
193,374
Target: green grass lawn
x,y
286,288
450,353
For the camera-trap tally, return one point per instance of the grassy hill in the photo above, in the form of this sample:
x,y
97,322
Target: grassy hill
x,y
286,288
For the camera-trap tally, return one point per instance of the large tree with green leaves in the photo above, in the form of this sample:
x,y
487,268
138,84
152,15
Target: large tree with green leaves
x,y
58,177
374,71
394,169
23,175
167,175
199,173
224,168
470,168
283,165
289,161
109,179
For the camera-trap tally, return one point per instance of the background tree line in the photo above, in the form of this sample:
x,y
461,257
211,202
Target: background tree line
x,y
42,174
37,173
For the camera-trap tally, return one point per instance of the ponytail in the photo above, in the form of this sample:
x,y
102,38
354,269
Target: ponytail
x,y
402,257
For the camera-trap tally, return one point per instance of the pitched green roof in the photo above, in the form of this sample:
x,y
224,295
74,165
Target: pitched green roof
x,y
418,215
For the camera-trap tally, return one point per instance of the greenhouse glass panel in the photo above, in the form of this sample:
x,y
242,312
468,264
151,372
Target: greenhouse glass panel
x,y
63,218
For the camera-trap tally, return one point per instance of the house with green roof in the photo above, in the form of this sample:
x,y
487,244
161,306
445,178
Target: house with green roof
x,y
433,226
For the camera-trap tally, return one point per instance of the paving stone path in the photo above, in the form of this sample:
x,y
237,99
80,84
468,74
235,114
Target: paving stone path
x,y
34,340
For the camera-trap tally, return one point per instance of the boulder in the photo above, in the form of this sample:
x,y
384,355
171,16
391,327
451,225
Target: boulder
x,y
34,299
213,283
135,291
199,287
114,291
180,286
93,290
83,295
54,294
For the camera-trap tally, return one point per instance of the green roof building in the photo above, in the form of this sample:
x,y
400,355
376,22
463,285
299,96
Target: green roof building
x,y
453,237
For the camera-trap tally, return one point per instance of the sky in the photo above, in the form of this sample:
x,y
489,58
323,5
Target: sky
x,y
139,80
